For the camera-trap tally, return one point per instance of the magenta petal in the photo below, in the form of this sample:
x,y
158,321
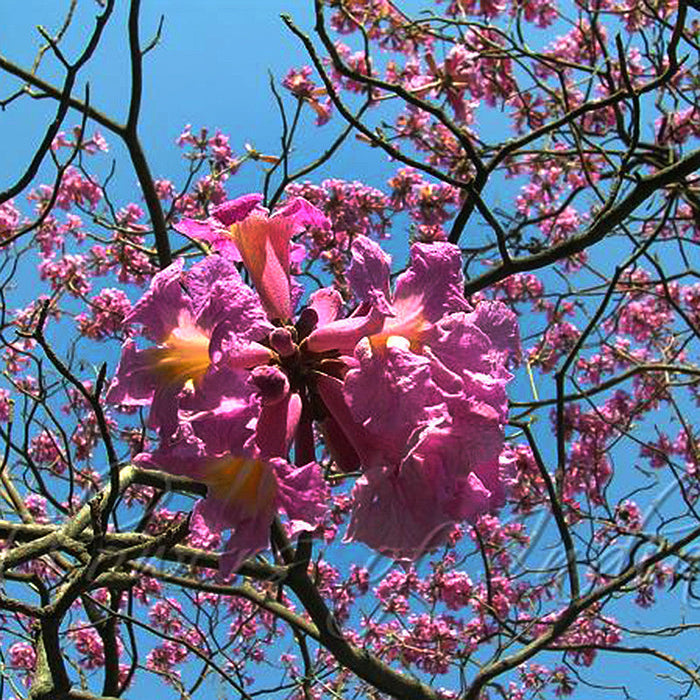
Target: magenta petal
x,y
229,348
214,229
479,426
405,510
277,425
331,392
210,232
224,514
303,494
164,409
236,210
270,383
160,308
500,324
369,269
202,278
339,446
488,389
199,230
389,392
297,253
471,499
183,455
398,515
460,344
134,382
327,303
344,334
302,214
235,305
225,428
249,537
445,379
434,276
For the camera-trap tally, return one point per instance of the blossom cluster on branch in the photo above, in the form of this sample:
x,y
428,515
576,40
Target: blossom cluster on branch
x,y
476,476
408,388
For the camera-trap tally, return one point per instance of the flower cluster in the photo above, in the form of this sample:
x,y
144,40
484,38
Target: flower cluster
x,y
408,389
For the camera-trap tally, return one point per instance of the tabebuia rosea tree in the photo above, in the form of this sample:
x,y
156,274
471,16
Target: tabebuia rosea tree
x,y
419,423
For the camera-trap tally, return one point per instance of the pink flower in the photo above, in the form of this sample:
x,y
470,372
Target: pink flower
x,y
243,229
244,492
221,379
179,312
409,388
6,405
422,405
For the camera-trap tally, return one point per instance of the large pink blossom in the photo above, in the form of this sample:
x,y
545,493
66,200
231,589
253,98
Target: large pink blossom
x,y
242,229
245,491
179,314
408,388
422,406
217,379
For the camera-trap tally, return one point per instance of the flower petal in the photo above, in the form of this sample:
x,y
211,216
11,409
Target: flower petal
x,y
134,382
277,425
342,335
302,214
264,248
369,269
327,303
330,390
248,538
235,210
160,308
434,276
303,494
389,392
500,324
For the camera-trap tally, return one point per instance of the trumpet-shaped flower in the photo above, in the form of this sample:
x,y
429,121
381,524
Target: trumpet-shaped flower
x,y
409,389
223,382
244,492
243,229
423,402
179,313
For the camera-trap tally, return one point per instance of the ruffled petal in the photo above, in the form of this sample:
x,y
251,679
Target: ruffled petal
x,y
161,307
234,304
389,392
369,269
461,345
500,324
183,455
235,210
434,277
405,511
227,426
303,494
302,214
134,382
397,515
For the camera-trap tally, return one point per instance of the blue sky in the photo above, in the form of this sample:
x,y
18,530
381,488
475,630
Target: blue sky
x,y
210,69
